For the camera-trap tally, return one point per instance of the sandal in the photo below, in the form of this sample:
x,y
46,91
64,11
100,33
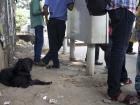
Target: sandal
x,y
126,82
126,99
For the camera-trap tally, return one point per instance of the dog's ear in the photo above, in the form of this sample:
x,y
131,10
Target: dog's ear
x,y
29,62
18,63
27,65
18,66
23,65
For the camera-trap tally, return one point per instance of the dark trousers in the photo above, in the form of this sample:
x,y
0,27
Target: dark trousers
x,y
39,40
97,49
107,50
56,32
130,47
122,20
137,78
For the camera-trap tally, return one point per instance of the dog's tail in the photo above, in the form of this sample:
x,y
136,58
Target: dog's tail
x,y
38,82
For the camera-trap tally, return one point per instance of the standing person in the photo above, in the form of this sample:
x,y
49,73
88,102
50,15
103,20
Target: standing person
x,y
37,23
56,27
137,32
124,79
122,15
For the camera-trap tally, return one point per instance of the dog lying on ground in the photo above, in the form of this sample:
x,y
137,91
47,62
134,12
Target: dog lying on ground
x,y
19,75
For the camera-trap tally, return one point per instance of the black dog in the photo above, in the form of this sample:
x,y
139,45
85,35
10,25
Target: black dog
x,y
19,75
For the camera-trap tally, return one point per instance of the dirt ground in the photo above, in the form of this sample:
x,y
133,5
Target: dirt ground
x,y
71,86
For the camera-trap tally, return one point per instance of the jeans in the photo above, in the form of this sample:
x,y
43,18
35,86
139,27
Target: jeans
x,y
122,20
107,52
39,40
56,33
137,78
124,75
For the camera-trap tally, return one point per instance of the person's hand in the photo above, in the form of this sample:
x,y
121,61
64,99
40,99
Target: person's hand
x,y
70,6
46,19
42,13
46,13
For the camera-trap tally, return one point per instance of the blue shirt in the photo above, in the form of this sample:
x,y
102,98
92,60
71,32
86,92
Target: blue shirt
x,y
129,4
58,8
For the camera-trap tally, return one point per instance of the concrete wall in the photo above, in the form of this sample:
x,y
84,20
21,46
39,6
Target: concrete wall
x,y
7,32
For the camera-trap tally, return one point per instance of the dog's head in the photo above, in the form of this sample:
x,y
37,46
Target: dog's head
x,y
23,65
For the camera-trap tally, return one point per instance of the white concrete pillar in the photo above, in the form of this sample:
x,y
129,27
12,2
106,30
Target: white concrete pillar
x,y
65,45
72,49
90,59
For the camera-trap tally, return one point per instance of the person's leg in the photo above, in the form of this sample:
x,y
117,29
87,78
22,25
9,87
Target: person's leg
x,y
137,78
107,53
96,52
125,80
60,29
124,75
52,33
38,43
130,47
97,48
47,58
122,20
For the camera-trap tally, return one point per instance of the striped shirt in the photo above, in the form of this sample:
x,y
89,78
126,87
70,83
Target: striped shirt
x,y
129,4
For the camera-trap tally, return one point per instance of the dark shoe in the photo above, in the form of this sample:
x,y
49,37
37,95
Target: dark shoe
x,y
131,53
98,63
40,63
52,67
126,82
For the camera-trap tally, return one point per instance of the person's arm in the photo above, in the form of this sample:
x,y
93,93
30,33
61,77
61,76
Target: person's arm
x,y
46,13
36,9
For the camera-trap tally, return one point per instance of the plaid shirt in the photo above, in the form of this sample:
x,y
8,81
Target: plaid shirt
x,y
129,4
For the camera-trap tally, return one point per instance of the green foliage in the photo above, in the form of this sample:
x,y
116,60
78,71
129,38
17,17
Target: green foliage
x,y
21,18
23,4
22,13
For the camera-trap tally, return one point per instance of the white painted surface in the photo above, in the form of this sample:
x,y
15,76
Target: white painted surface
x,y
90,29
